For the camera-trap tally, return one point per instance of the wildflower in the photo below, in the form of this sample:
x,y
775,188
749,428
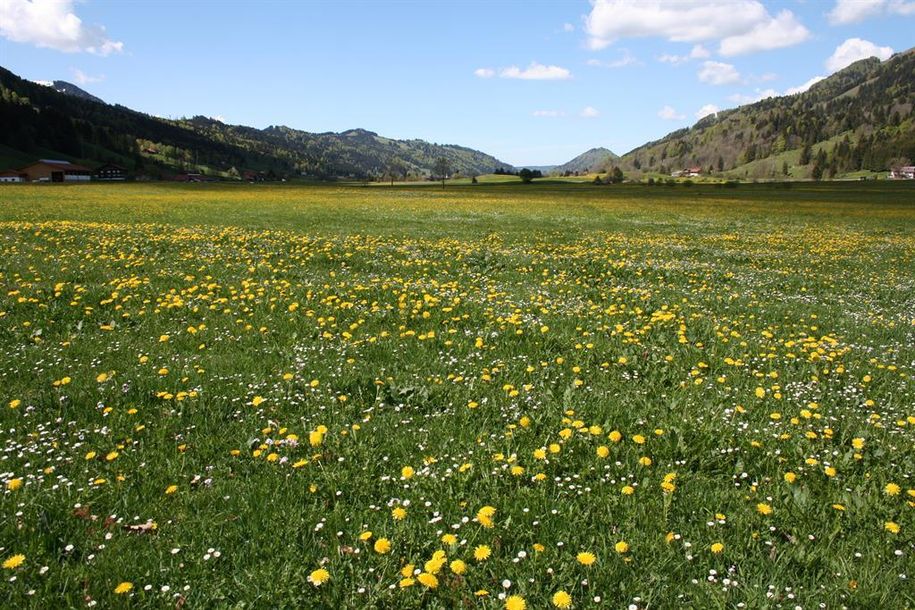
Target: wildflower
x,y
171,489
717,547
123,588
319,577
399,513
603,451
892,527
627,490
14,484
515,602
621,547
13,562
428,580
14,404
407,472
406,582
586,558
891,489
257,401
790,477
561,599
382,546
482,552
449,539
458,567
485,516
763,509
615,436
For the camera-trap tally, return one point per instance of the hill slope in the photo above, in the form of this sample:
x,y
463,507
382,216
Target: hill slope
x,y
48,123
595,159
860,118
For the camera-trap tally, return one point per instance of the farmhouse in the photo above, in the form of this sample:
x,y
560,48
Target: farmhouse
x,y
53,170
11,175
903,173
111,172
688,172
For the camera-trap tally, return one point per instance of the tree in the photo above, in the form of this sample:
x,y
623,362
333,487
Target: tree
x,y
441,168
616,175
817,173
526,175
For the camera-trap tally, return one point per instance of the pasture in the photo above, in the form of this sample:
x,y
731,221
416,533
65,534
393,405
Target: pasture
x,y
498,396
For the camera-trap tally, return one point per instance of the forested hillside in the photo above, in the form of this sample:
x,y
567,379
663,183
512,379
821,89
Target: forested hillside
x,y
860,118
42,122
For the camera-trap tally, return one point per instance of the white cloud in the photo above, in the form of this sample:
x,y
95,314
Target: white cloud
x,y
626,60
782,31
718,73
548,113
742,26
84,79
805,86
536,71
219,118
707,110
568,27
854,49
669,114
698,52
484,72
589,112
853,11
52,24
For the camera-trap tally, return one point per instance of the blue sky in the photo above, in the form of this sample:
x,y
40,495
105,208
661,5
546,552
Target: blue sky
x,y
529,82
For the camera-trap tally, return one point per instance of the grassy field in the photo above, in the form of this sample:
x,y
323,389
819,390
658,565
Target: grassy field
x,y
492,396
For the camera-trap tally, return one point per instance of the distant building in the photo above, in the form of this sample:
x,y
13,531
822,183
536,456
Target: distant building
x,y
111,172
689,172
906,172
54,170
11,175
190,177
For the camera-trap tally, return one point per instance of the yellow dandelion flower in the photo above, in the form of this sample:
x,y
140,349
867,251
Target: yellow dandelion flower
x,y
399,513
382,546
763,509
458,567
428,580
621,547
13,562
171,489
586,558
892,489
515,602
561,599
482,552
717,547
319,577
14,484
407,472
123,588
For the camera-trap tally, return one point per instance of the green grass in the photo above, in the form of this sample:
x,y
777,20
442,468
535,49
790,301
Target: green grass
x,y
492,338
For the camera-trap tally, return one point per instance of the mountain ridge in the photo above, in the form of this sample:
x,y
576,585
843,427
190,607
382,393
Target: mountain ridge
x,y
79,126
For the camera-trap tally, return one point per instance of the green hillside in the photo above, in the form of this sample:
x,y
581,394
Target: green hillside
x,y
47,123
860,119
595,159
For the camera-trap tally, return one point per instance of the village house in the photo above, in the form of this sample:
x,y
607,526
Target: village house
x,y
906,172
54,170
689,172
11,175
111,172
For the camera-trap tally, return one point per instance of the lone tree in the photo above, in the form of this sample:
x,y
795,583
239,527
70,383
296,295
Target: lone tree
x,y
526,175
616,175
441,168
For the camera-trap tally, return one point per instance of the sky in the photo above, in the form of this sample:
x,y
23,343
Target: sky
x,y
532,83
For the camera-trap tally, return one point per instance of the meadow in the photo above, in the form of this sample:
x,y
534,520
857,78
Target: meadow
x,y
494,396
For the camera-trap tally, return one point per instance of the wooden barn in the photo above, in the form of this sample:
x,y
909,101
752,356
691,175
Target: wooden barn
x,y
53,170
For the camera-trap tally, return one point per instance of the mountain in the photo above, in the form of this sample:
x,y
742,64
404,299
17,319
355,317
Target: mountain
x,y
62,122
596,159
860,118
62,86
